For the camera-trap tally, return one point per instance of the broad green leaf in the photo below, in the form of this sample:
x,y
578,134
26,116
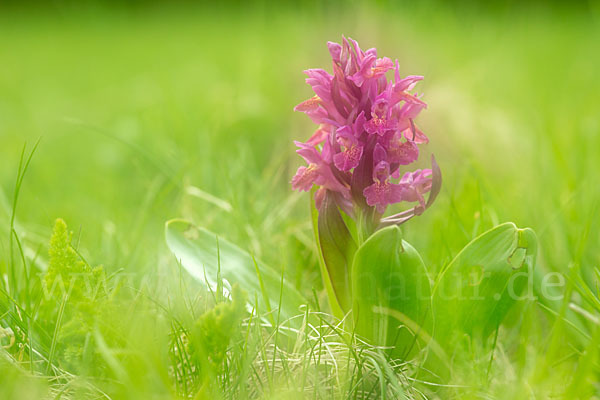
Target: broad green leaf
x,y
196,249
477,289
391,293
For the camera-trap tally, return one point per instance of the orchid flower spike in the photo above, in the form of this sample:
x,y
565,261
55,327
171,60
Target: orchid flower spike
x,y
366,137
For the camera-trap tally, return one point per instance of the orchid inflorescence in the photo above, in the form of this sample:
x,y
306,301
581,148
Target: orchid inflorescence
x,y
366,134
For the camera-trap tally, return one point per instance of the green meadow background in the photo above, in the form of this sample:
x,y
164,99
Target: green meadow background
x,y
150,112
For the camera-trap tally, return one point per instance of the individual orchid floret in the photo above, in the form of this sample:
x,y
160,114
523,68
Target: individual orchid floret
x,y
371,68
381,118
401,151
414,134
382,192
352,148
415,185
317,172
313,108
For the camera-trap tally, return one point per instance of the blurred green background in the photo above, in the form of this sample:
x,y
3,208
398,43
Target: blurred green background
x,y
139,106
133,104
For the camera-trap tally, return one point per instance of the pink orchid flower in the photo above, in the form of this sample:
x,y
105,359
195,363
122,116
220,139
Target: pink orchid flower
x,y
366,135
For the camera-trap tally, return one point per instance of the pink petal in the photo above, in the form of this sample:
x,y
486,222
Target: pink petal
x,y
304,178
381,194
320,135
335,49
407,83
415,134
403,153
349,158
309,153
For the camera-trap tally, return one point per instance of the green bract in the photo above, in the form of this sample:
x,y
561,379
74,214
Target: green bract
x,y
337,248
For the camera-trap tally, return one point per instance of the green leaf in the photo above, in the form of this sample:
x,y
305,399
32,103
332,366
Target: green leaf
x,y
336,309
477,289
337,249
196,249
391,293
